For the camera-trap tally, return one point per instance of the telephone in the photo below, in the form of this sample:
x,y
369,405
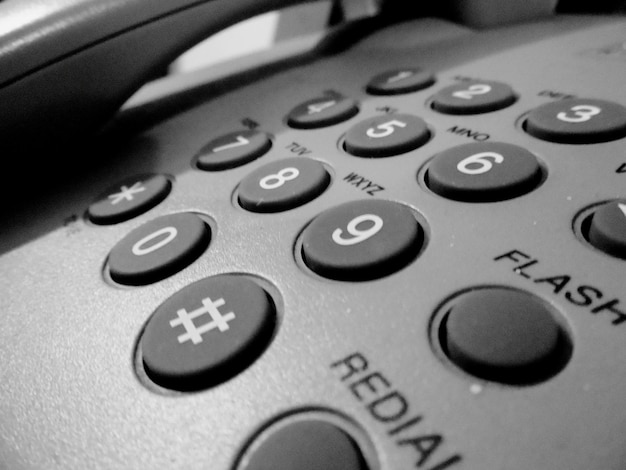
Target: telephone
x,y
398,245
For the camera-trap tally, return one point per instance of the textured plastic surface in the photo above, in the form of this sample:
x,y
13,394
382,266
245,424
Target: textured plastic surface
x,y
73,396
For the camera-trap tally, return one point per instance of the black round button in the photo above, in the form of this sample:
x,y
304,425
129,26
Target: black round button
x,y
504,335
361,240
322,112
384,136
607,230
483,172
232,150
578,121
400,81
473,97
306,445
283,185
207,332
129,198
158,249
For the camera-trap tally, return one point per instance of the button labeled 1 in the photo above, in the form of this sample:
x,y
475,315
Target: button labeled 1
x,y
362,240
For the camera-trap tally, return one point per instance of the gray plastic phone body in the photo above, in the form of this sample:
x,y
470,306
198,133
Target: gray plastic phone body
x,y
72,396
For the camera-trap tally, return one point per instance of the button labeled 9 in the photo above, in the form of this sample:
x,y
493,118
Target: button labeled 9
x,y
362,240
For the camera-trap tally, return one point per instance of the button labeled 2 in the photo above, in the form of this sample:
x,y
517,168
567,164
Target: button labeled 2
x,y
362,240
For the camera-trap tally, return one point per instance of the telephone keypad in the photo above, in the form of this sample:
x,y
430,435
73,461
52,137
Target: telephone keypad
x,y
233,149
158,249
207,332
385,136
283,185
473,97
483,172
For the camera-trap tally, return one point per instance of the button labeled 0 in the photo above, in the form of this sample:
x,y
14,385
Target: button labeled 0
x,y
158,249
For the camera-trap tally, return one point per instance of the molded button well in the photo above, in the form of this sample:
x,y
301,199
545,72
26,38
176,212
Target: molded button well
x,y
504,335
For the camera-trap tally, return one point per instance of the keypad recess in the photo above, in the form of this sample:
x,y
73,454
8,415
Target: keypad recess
x,y
424,241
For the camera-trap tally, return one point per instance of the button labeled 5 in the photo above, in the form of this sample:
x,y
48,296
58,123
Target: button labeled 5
x,y
384,136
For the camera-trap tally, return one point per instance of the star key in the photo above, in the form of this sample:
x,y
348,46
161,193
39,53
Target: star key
x,y
129,198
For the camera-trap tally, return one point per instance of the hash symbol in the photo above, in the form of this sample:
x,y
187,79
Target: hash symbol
x,y
193,333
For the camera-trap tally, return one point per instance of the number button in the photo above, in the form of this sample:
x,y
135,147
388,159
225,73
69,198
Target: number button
x,y
577,121
129,198
397,82
474,97
232,150
384,136
607,230
207,332
483,172
362,240
283,185
158,249
322,112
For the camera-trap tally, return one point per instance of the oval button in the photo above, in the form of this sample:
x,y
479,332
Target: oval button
x,y
158,249
362,240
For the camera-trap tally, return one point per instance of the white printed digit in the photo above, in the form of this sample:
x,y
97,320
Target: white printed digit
x,y
385,129
399,76
278,179
472,91
357,235
240,142
143,247
582,113
319,107
479,162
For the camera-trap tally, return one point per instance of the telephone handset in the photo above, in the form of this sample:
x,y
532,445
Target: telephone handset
x,y
403,248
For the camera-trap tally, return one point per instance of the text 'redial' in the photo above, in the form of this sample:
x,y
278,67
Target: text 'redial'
x,y
362,240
